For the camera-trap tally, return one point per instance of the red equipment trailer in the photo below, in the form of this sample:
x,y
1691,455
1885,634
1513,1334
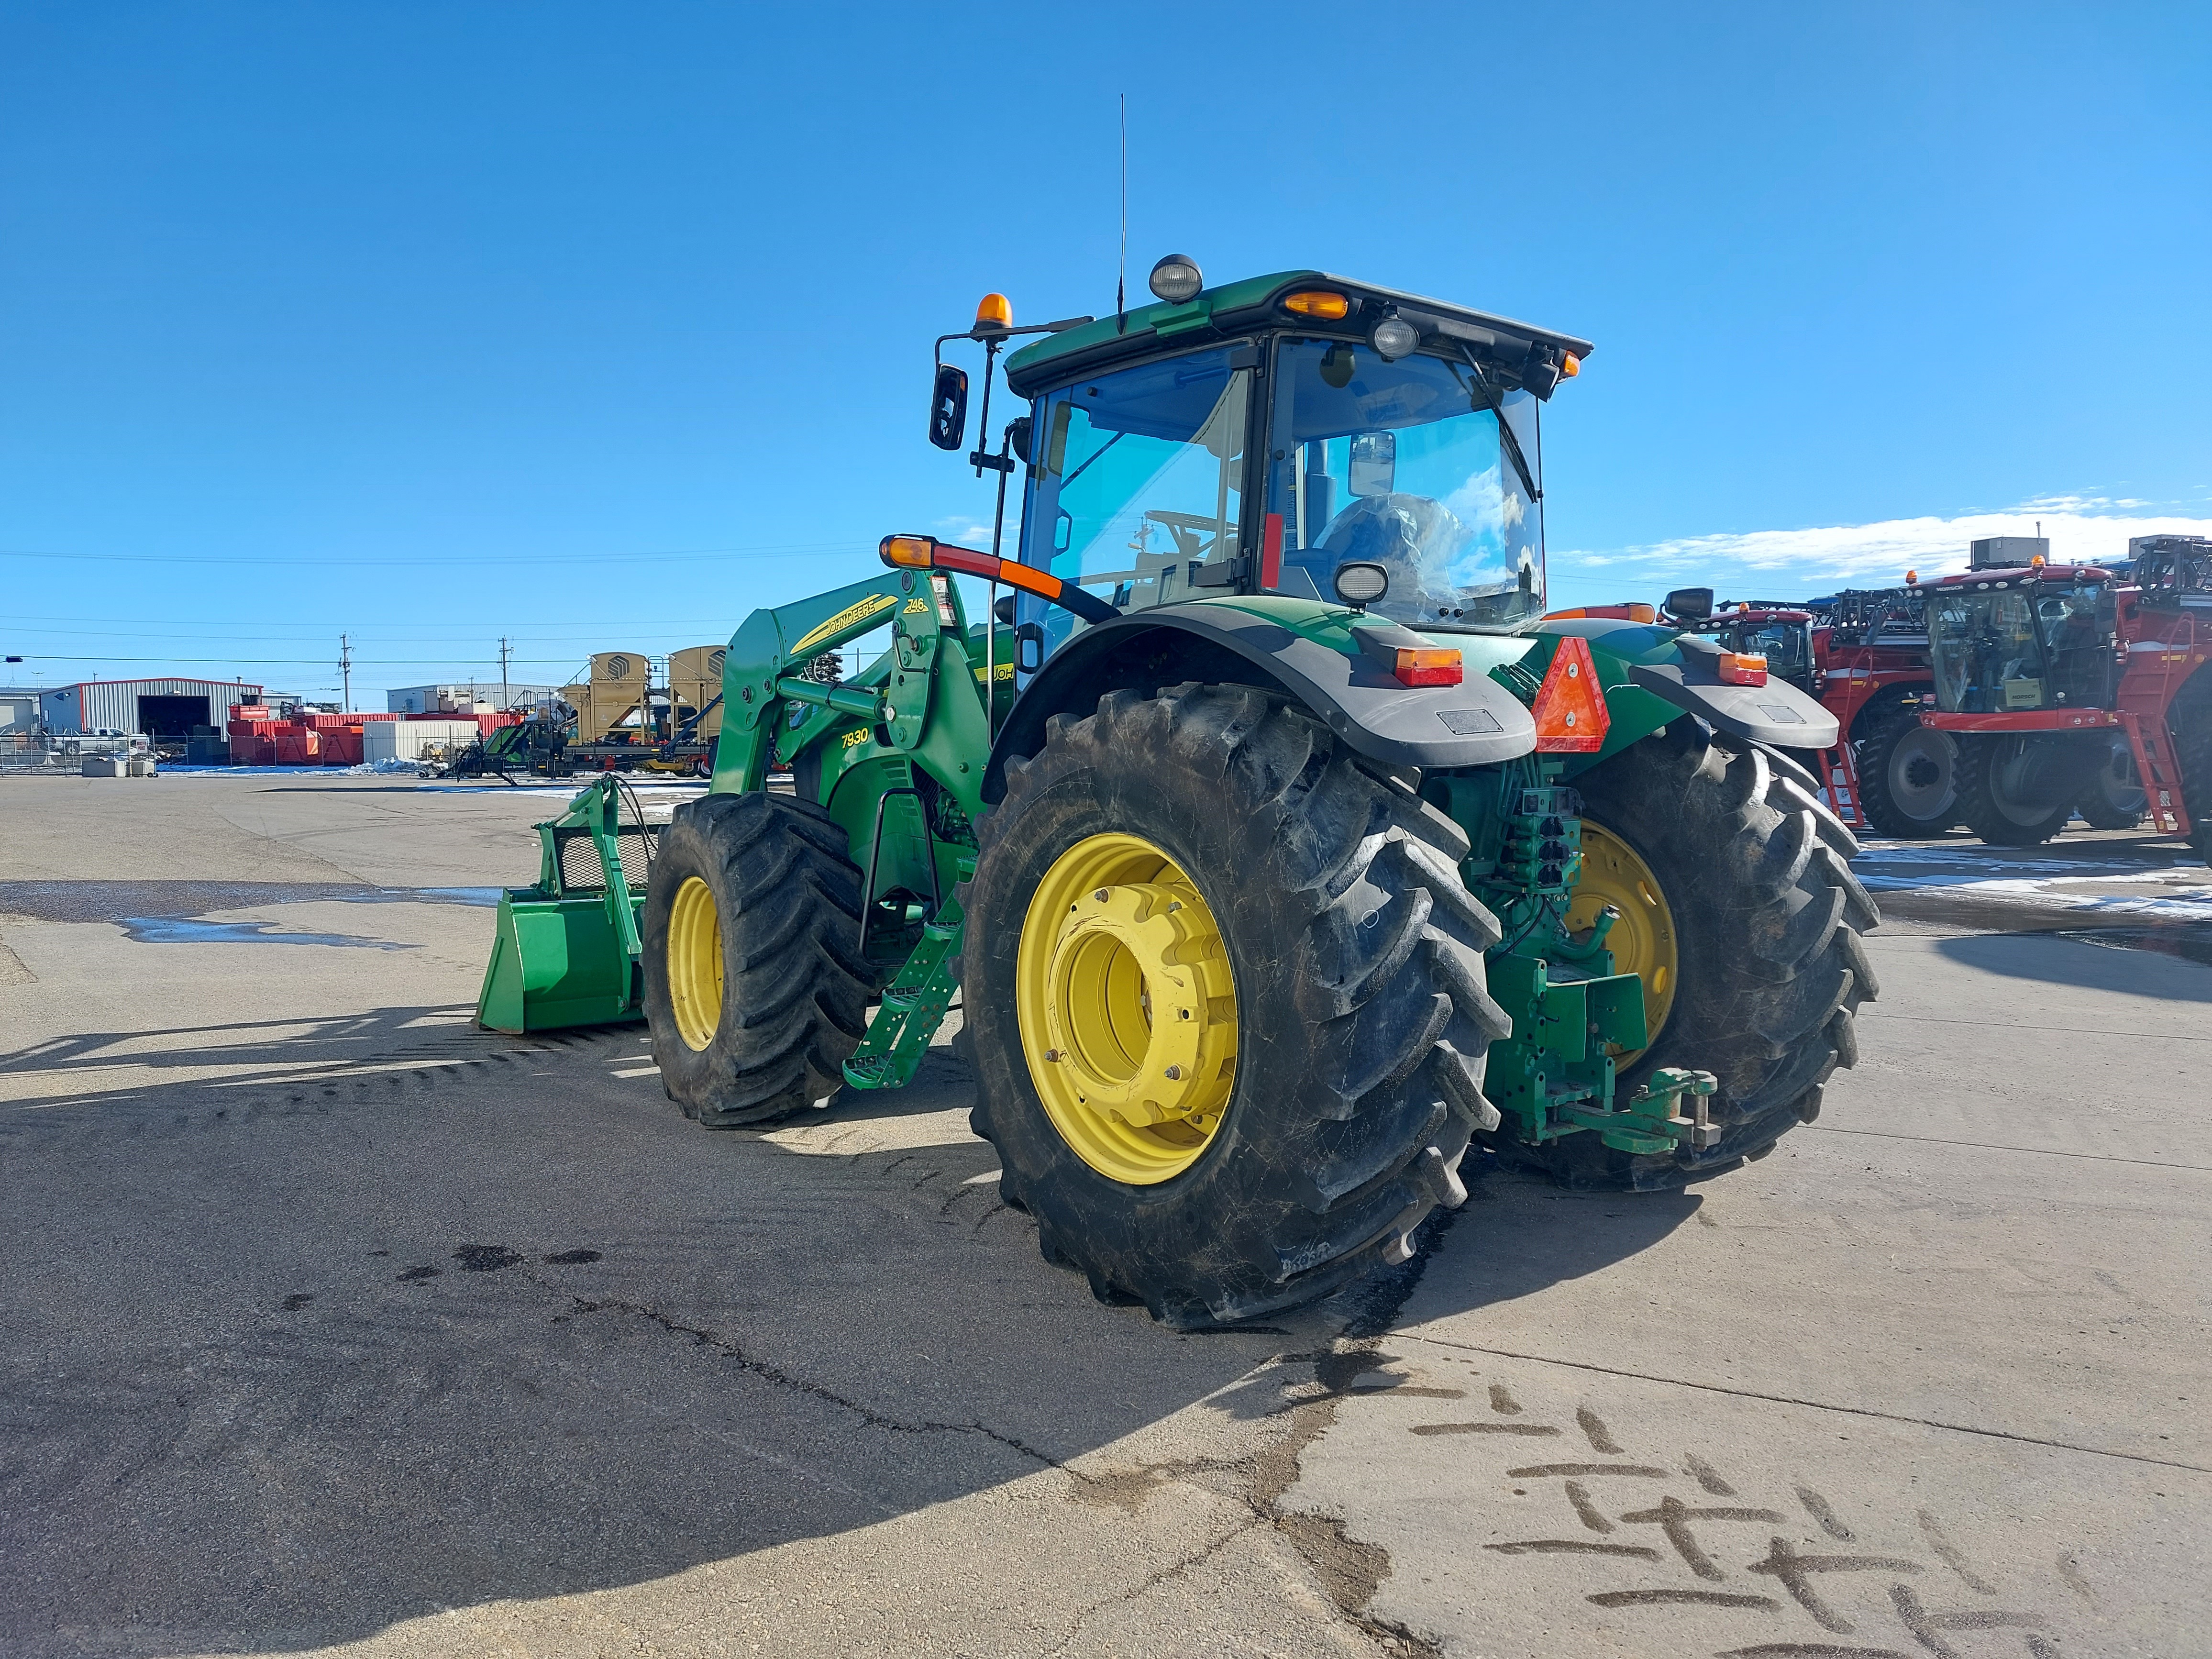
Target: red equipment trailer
x,y
2040,668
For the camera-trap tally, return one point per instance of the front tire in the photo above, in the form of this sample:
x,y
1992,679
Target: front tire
x,y
754,991
1353,1027
1740,907
2188,723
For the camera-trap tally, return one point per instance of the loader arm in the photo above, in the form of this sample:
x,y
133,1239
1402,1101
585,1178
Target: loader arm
x,y
920,701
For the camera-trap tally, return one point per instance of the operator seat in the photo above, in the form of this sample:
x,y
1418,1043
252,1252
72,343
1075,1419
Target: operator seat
x,y
1408,535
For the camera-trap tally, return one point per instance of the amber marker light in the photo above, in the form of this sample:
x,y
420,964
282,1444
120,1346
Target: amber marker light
x,y
1318,302
1427,666
1912,576
1571,367
1742,668
1635,611
907,552
996,315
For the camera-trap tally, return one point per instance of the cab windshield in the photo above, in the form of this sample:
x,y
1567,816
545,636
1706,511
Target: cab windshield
x,y
2038,646
1402,463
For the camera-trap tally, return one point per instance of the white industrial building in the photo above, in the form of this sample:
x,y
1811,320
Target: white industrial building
x,y
164,708
474,698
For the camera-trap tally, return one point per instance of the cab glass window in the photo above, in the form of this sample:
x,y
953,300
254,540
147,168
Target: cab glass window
x,y
1136,487
1402,463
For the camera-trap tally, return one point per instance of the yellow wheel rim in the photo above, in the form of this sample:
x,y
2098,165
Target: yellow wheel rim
x,y
1643,941
694,962
1128,1009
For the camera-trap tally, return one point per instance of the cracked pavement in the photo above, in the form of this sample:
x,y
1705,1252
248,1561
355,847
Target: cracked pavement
x,y
330,1324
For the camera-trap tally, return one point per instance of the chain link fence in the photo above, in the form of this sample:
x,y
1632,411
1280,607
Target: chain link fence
x,y
62,753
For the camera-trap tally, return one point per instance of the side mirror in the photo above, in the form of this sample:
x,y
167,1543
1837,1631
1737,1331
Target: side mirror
x,y
1690,603
1374,468
1360,583
1017,435
948,408
1029,648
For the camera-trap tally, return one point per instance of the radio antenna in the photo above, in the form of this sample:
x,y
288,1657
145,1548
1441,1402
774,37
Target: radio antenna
x,y
1121,270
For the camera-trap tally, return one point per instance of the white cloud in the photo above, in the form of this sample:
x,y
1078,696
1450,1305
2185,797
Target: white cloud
x,y
962,530
2081,527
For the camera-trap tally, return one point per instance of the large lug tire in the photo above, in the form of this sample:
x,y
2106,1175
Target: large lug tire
x,y
1361,1015
2189,722
754,991
1755,889
1908,776
2115,798
1993,800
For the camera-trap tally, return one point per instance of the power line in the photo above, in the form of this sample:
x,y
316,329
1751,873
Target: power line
x,y
456,562
308,662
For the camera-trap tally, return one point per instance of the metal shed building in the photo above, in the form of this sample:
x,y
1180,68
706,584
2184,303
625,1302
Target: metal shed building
x,y
156,707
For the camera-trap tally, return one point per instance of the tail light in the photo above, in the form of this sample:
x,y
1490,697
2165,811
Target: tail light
x,y
1427,666
1742,668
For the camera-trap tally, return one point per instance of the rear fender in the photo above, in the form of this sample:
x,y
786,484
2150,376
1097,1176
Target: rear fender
x,y
1651,674
1300,649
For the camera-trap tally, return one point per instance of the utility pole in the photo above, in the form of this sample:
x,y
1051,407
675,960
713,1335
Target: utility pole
x,y
505,652
345,675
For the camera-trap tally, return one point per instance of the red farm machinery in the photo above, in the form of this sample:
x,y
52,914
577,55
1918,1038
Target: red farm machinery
x,y
2067,684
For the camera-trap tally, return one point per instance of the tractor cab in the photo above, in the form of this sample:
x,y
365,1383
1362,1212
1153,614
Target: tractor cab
x,y
1255,438
2032,639
1779,633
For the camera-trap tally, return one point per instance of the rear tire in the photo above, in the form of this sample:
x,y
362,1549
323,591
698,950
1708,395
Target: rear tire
x,y
1987,802
2115,798
1908,776
1362,1017
776,909
1767,919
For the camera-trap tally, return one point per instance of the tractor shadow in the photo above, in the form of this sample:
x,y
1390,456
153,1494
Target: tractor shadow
x,y
2102,959
327,1359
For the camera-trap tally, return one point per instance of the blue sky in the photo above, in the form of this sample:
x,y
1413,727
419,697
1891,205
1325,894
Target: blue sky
x,y
597,326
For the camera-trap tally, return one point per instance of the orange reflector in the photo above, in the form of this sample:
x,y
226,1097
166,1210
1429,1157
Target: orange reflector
x,y
1572,718
1317,302
1427,666
1742,668
1570,367
995,314
914,552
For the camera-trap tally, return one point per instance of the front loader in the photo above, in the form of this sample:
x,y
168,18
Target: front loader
x,y
1275,845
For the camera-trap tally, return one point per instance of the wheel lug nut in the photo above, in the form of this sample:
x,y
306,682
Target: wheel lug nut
x,y
1052,1056
1101,894
1174,1074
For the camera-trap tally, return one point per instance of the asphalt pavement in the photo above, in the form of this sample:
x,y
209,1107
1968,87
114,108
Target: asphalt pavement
x,y
328,1323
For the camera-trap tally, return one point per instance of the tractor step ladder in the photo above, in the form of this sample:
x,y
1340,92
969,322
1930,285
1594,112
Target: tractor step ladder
x,y
1840,784
2160,771
915,1001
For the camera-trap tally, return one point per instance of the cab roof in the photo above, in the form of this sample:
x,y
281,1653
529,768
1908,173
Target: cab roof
x,y
1520,352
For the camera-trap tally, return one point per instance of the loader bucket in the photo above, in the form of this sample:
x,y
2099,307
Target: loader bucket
x,y
567,948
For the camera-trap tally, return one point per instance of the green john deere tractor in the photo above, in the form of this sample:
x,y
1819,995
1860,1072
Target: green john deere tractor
x,y
1276,846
